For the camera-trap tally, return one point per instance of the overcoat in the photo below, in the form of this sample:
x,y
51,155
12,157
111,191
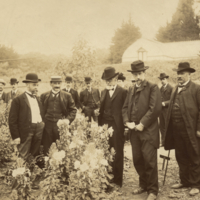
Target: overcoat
x,y
84,97
166,94
190,110
66,101
8,95
118,100
148,109
20,118
75,96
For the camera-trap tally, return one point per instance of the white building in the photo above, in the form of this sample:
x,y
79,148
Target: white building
x,y
146,50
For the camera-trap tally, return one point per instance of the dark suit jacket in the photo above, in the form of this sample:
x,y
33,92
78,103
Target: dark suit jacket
x,y
8,95
66,101
148,109
84,97
166,94
190,110
118,100
3,96
20,117
75,97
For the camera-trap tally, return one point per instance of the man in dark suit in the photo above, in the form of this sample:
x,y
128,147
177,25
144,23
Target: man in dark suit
x,y
140,114
57,105
121,79
74,93
2,93
25,119
112,100
183,128
14,92
90,100
166,90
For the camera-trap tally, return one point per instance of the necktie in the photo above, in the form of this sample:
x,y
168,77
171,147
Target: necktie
x,y
111,89
31,95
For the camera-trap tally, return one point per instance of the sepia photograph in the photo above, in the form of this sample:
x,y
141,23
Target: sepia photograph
x,y
99,100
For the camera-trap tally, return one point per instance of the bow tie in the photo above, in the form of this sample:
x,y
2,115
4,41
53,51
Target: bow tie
x,y
111,89
31,95
181,86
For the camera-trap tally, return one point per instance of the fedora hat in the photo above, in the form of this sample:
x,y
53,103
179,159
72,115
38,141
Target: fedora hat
x,y
184,66
68,79
163,75
138,66
121,77
2,81
13,81
109,72
88,79
56,79
31,78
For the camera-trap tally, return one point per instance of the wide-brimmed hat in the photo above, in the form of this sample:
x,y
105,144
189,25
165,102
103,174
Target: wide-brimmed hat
x,y
13,81
163,75
88,79
31,78
56,79
2,81
109,72
138,66
68,79
184,66
121,77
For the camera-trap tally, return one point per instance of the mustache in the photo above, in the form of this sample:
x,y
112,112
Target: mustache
x,y
57,87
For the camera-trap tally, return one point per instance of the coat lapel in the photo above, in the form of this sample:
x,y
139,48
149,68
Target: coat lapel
x,y
115,93
26,100
103,95
142,86
185,87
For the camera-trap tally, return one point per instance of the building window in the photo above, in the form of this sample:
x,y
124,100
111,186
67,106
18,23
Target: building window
x,y
142,54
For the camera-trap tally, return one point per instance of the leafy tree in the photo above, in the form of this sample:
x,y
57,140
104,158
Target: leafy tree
x,y
123,38
184,24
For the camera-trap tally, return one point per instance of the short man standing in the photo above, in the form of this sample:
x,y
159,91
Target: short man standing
x,y
57,105
74,93
25,119
183,128
140,114
2,93
166,90
90,100
14,92
121,79
112,100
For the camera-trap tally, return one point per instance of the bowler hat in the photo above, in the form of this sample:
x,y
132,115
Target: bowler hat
x,y
163,75
109,72
2,81
31,78
137,66
13,81
88,79
56,79
184,66
121,77
68,79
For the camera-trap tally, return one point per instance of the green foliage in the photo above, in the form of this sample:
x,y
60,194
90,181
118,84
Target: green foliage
x,y
123,38
184,24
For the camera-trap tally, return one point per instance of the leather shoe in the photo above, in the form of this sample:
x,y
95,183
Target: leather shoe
x,y
194,191
151,196
177,186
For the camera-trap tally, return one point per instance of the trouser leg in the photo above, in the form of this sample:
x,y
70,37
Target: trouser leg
x,y
162,127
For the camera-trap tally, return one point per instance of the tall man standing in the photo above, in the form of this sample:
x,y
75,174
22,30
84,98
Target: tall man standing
x,y
25,119
165,90
57,105
112,100
183,128
140,113
90,100
73,92
14,92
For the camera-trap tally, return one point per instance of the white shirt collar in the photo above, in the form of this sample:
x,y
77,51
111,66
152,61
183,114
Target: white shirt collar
x,y
186,82
15,91
54,92
68,89
28,92
165,85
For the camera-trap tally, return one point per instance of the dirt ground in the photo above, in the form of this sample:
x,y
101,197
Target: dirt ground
x,y
131,180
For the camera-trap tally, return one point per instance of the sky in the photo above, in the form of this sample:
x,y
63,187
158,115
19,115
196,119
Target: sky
x,y
54,26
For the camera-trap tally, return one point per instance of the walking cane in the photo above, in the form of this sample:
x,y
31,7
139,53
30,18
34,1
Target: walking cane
x,y
166,167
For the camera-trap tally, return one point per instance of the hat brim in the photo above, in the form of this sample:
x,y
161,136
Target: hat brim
x,y
145,68
108,78
191,70
14,82
31,81
163,77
